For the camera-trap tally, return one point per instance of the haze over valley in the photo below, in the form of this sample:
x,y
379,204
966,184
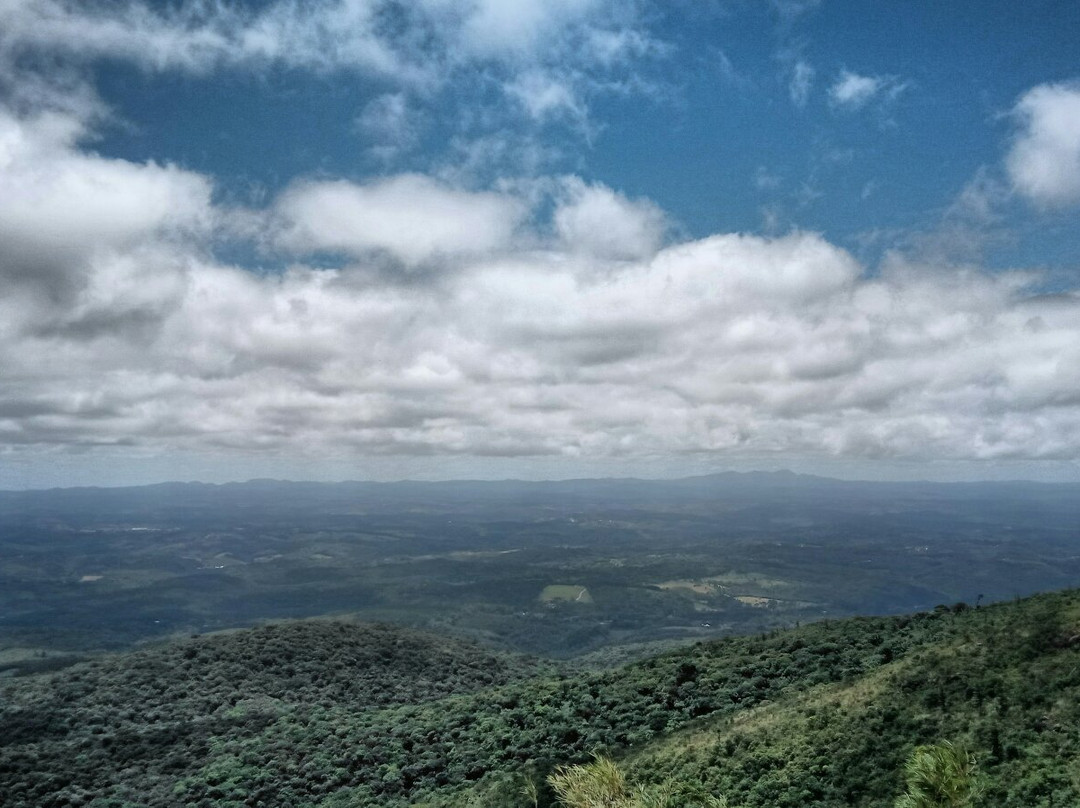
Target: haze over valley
x,y
559,569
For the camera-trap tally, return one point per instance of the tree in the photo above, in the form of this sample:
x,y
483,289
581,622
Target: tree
x,y
939,776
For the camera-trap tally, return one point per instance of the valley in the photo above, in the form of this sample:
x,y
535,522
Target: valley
x,y
451,644
596,569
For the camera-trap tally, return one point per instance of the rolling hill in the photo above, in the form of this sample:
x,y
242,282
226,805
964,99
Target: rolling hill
x,y
325,713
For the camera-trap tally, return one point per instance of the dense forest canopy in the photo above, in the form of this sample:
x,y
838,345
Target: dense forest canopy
x,y
333,714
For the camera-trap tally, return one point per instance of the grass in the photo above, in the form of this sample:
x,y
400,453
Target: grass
x,y
696,587
567,592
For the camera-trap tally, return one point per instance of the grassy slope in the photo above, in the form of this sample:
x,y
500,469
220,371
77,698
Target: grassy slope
x,y
818,716
1004,681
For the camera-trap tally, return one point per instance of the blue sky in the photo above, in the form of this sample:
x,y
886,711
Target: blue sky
x,y
712,134
357,238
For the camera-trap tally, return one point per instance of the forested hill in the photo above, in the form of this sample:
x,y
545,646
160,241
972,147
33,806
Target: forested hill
x,y
822,715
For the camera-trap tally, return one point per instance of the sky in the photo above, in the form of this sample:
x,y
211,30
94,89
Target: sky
x,y
368,239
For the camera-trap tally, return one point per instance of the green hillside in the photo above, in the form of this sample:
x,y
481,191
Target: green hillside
x,y
1005,683
822,715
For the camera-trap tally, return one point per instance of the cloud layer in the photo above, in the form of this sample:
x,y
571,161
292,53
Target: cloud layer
x,y
568,333
547,56
411,315
367,35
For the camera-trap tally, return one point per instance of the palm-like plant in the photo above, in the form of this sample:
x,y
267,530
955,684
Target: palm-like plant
x,y
939,776
601,784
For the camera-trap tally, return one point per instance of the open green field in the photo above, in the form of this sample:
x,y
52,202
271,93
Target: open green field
x,y
565,592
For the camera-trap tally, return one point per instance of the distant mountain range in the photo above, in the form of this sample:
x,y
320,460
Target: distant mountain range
x,y
465,495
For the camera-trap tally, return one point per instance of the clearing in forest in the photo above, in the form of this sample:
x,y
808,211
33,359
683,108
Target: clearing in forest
x,y
567,592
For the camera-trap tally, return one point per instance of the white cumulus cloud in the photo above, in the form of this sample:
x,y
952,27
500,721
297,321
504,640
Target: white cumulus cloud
x,y
566,328
65,213
1044,161
517,26
412,217
600,222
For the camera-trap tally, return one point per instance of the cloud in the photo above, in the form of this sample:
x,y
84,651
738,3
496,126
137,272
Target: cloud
x,y
852,91
551,322
411,217
81,199
420,47
801,82
508,69
490,159
791,11
1044,160
766,180
390,125
795,69
546,96
1042,164
726,70
726,347
62,209
597,221
517,26
199,37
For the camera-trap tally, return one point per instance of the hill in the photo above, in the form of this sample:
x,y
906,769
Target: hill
x,y
159,711
822,715
1003,683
